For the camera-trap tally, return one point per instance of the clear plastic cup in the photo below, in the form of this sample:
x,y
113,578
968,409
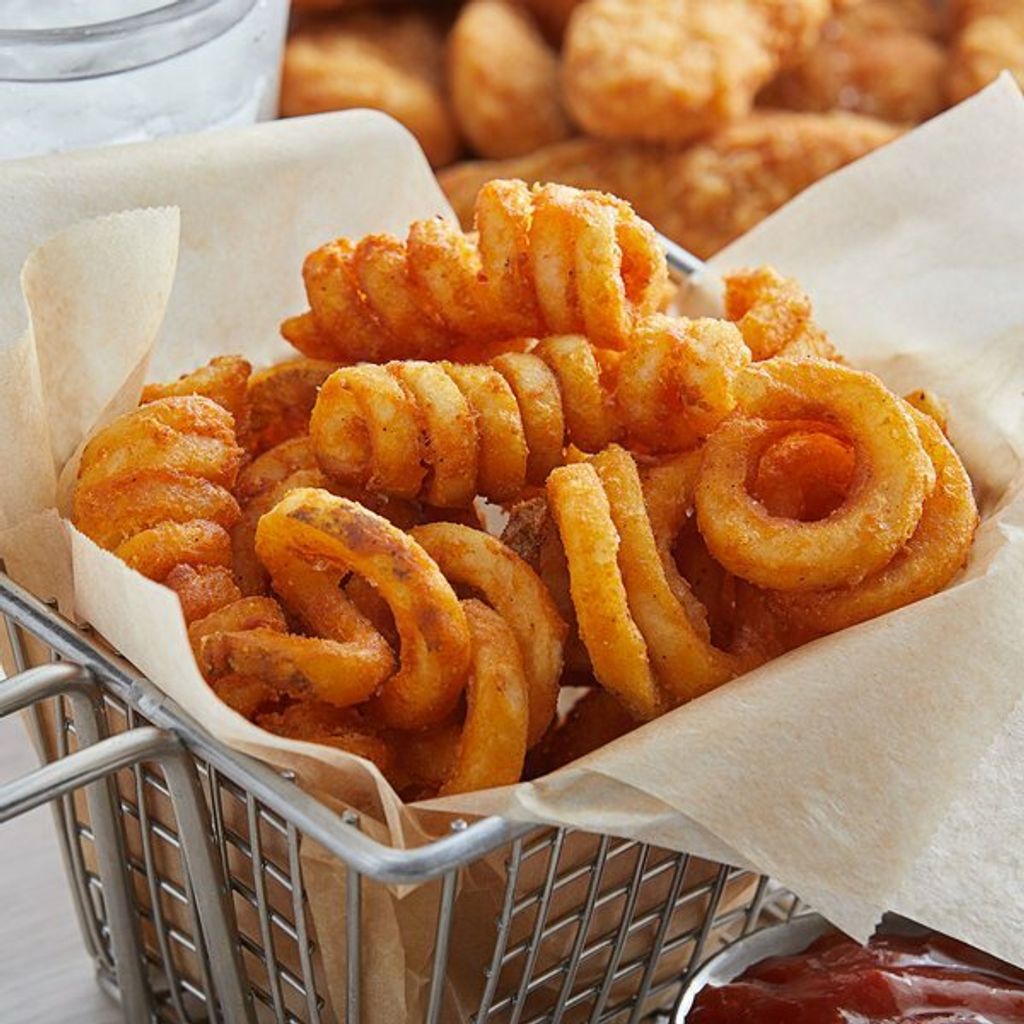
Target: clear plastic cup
x,y
79,73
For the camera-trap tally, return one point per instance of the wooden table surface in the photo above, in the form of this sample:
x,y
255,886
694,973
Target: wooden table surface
x,y
45,976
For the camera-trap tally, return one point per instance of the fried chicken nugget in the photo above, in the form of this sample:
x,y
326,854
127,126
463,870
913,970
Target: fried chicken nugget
x,y
391,62
671,70
154,487
552,15
703,196
925,17
503,80
988,38
868,61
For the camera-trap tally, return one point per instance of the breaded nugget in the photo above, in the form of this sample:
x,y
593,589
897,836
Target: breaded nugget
x,y
674,69
503,81
703,196
391,62
551,15
867,62
926,17
988,38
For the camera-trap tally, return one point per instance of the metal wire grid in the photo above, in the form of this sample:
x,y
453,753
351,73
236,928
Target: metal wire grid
x,y
613,928
591,928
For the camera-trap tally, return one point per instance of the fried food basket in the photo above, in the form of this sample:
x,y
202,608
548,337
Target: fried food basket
x,y
184,861
186,866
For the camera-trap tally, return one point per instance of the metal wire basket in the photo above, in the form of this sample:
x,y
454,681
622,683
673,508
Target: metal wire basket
x,y
186,868
184,861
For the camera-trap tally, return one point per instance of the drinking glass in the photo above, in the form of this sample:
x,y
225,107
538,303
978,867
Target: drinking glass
x,y
91,72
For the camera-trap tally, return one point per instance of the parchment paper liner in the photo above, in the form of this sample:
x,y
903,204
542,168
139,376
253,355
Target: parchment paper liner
x,y
841,768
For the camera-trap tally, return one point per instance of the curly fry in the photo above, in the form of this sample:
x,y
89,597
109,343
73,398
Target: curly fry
x,y
246,695
154,488
202,589
645,631
892,477
616,646
472,558
251,575
594,720
447,432
315,721
546,260
805,475
492,747
424,759
934,554
281,399
675,381
275,473
773,314
342,665
930,404
310,540
224,379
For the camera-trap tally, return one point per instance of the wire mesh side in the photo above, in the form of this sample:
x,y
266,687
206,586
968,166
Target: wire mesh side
x,y
259,851
589,928
599,930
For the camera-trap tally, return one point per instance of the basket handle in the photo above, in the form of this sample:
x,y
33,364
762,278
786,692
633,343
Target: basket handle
x,y
92,766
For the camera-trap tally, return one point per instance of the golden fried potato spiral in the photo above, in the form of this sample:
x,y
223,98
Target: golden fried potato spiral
x,y
546,260
448,432
259,669
309,542
933,555
474,559
644,630
773,314
892,477
225,379
154,487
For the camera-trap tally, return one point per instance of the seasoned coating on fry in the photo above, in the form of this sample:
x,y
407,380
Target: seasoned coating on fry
x,y
503,81
773,314
202,589
548,260
310,541
671,70
492,429
246,694
386,61
704,196
280,399
316,721
869,63
154,487
224,379
988,38
473,559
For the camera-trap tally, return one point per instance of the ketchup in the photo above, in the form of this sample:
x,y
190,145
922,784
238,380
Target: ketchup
x,y
893,980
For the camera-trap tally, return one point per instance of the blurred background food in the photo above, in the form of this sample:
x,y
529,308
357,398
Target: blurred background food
x,y
706,115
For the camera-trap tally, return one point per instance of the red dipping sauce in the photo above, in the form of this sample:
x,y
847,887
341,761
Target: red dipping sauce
x,y
894,980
